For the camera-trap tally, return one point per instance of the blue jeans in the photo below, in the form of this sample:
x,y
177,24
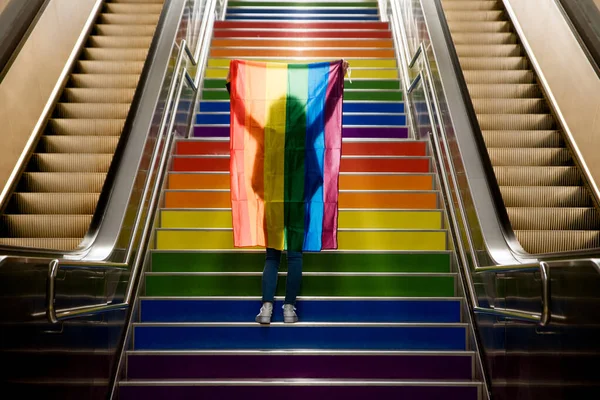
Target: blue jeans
x,y
294,275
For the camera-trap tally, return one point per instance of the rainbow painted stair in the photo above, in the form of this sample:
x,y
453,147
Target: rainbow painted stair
x,y
380,317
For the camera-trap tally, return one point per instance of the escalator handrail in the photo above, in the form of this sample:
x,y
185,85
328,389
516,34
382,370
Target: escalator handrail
x,y
425,77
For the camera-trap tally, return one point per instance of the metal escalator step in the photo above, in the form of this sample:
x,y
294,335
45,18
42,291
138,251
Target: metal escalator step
x,y
484,38
510,106
489,50
92,111
530,157
129,19
98,95
104,81
535,138
546,196
120,42
88,127
471,5
494,63
133,8
546,218
469,15
479,26
537,176
62,182
54,203
110,67
71,162
64,244
539,241
504,91
499,76
44,226
125,30
79,144
97,54
507,122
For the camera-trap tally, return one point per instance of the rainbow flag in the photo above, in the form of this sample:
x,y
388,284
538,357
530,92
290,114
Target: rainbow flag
x,y
286,137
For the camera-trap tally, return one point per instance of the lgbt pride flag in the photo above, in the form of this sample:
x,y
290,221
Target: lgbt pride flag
x,y
286,137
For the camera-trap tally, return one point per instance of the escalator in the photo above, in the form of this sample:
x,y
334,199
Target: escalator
x,y
547,202
56,197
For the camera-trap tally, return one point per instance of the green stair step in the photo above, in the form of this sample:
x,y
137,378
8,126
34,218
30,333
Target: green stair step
x,y
312,285
355,84
355,96
312,262
370,4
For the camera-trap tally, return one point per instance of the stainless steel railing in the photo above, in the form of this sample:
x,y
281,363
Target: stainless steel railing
x,y
468,265
135,254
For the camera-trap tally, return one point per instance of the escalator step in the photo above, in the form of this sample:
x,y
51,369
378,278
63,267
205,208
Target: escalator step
x,y
120,42
125,30
509,91
493,63
54,203
110,67
471,5
545,196
469,15
510,106
489,50
479,26
92,111
79,144
537,176
485,38
98,95
538,218
129,19
63,182
538,138
88,127
531,157
103,81
509,122
536,241
43,226
65,244
71,162
96,54
124,8
499,76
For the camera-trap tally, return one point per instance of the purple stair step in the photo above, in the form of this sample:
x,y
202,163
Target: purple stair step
x,y
452,366
300,391
366,132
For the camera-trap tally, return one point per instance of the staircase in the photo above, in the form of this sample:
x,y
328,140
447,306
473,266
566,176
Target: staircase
x,y
379,317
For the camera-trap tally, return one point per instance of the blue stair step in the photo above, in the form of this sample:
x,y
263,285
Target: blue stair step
x,y
347,119
251,336
236,310
300,17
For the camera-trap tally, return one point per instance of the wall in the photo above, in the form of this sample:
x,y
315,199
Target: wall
x,y
571,79
26,87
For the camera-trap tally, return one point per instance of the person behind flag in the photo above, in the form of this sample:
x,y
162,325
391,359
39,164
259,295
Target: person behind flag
x,y
271,268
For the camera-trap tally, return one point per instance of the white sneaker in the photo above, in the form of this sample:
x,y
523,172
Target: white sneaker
x,y
289,314
264,316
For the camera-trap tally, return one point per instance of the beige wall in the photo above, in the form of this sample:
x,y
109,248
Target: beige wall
x,y
571,79
26,87
597,2
4,3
